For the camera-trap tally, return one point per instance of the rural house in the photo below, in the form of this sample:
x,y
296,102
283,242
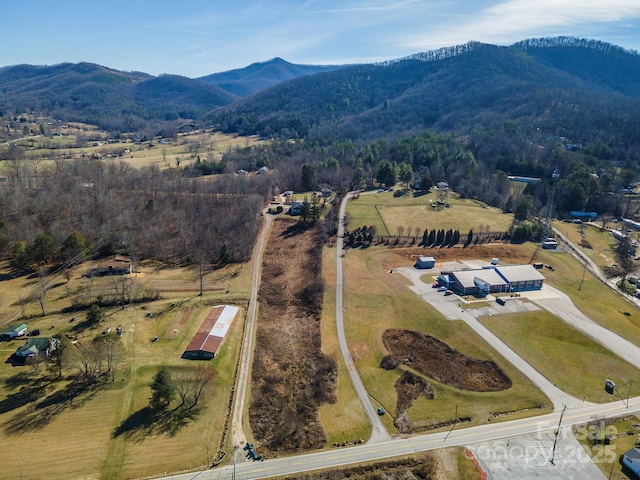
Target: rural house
x,y
14,332
37,346
116,265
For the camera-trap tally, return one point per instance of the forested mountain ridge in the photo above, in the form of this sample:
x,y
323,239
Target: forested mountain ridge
x,y
111,99
536,86
261,75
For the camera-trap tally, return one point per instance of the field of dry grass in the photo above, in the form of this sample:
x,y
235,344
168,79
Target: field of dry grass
x,y
411,214
183,149
291,376
344,420
103,432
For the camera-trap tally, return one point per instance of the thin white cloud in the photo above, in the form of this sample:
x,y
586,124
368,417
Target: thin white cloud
x,y
517,19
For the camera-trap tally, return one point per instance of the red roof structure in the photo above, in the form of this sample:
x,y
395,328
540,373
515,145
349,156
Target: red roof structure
x,y
207,341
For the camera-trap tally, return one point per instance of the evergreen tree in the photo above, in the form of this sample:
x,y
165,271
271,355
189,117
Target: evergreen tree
x,y
94,315
162,389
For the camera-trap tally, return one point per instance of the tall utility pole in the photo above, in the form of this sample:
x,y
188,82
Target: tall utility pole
x,y
546,228
555,441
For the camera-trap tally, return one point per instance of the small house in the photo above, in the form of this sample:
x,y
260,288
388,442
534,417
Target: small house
x,y
425,262
116,265
14,332
296,208
263,170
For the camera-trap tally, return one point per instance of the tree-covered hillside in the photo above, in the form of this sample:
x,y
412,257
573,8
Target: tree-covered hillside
x,y
113,100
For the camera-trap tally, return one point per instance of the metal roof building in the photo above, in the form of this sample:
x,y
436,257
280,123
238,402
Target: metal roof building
x,y
494,279
210,336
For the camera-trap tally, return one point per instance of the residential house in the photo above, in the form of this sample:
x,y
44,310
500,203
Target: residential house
x,y
37,347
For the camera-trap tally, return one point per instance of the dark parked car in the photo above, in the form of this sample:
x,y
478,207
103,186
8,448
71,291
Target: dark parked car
x,y
35,333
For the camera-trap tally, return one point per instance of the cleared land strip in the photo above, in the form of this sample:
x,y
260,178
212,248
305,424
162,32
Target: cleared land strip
x,y
379,432
449,307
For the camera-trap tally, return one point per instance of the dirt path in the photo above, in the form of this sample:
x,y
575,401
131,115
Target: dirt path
x,y
238,437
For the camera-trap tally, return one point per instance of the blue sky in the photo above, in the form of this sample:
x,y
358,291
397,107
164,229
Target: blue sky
x,y
199,37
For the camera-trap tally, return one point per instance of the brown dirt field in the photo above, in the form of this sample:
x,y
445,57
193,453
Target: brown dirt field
x,y
291,377
504,251
435,359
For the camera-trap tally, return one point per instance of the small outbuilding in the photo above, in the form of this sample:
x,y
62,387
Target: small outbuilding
x,y
14,332
425,262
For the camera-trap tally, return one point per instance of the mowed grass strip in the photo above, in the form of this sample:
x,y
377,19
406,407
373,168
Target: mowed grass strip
x,y
376,300
388,214
574,362
345,420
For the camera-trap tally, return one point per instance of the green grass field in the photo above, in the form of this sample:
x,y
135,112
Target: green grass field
x,y
411,214
572,361
623,434
596,300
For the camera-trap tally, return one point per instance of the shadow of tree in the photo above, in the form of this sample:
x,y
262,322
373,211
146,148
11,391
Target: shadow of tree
x,y
148,421
296,229
31,389
74,395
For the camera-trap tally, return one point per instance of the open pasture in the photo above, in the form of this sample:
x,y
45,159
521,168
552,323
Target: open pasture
x,y
411,214
108,431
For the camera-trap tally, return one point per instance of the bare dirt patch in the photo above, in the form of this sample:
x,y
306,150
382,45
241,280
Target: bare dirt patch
x,y
291,377
408,388
435,359
510,253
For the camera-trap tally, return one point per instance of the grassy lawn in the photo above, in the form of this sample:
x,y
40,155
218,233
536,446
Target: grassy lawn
x,y
623,433
376,300
574,362
389,214
598,245
345,420
105,433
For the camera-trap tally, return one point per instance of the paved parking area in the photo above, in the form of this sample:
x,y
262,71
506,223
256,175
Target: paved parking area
x,y
528,457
